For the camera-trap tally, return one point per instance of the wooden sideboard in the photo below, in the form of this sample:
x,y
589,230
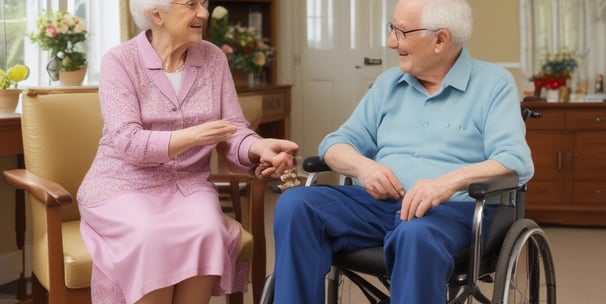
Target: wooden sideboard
x,y
10,135
275,118
568,146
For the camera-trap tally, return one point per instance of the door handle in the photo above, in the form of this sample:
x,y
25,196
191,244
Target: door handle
x,y
372,61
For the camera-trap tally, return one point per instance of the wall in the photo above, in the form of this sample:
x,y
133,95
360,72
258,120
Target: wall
x,y
496,36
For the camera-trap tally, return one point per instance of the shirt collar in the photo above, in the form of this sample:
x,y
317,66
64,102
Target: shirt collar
x,y
152,61
457,77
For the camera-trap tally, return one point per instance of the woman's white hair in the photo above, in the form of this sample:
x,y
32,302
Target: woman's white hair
x,y
139,9
453,15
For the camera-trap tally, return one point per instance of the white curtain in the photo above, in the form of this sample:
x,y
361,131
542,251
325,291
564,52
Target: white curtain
x,y
550,25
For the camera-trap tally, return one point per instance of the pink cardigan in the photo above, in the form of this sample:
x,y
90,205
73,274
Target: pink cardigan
x,y
140,108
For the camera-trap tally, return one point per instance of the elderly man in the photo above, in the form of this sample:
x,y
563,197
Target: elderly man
x,y
414,142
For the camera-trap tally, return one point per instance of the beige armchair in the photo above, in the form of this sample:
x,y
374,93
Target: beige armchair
x,y
61,132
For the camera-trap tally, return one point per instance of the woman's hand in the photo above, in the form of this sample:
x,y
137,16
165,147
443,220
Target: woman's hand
x,y
212,132
273,156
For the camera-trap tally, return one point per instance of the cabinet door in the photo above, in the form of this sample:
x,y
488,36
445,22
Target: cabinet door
x,y
552,161
589,169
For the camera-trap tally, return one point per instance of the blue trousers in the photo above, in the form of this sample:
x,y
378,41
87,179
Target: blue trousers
x,y
313,223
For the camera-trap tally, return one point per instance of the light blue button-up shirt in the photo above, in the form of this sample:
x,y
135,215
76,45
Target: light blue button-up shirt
x,y
474,117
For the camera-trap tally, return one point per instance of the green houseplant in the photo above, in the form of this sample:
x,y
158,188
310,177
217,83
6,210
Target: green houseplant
x,y
61,33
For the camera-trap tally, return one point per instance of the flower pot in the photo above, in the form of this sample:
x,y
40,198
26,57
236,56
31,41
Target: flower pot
x,y
552,95
9,99
71,78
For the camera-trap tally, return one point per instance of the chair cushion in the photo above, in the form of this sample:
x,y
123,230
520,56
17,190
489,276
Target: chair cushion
x,y
78,263
246,243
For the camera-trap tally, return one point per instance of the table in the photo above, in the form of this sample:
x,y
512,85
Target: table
x,y
275,117
12,145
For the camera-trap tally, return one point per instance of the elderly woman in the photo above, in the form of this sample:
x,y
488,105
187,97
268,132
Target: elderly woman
x,y
151,219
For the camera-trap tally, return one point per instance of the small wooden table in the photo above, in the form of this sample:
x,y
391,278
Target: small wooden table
x,y
11,144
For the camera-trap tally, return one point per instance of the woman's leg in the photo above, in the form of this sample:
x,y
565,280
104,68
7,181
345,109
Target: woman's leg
x,y
158,296
195,290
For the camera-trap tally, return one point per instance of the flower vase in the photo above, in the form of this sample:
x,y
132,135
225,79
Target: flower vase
x,y
9,99
250,80
72,78
52,68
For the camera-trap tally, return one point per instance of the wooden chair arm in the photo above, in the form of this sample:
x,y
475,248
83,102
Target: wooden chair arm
x,y
48,192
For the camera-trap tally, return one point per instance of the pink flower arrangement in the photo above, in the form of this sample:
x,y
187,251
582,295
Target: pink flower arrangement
x,y
244,49
60,33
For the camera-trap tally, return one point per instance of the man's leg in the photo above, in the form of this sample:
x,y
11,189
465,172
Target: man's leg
x,y
419,252
310,224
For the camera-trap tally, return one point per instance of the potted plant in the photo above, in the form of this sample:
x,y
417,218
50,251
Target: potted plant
x,y
60,33
244,49
9,93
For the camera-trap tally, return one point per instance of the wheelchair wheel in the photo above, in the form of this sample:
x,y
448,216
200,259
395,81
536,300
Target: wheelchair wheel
x,y
267,297
525,272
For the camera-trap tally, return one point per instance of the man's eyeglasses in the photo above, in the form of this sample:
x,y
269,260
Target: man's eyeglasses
x,y
193,5
400,33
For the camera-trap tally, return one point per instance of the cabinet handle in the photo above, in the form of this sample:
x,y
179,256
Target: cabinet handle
x,y
559,160
599,119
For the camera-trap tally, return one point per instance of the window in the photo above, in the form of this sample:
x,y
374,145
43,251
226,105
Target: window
x,y
578,25
19,19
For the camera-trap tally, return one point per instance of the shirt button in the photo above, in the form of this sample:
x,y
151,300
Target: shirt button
x,y
425,124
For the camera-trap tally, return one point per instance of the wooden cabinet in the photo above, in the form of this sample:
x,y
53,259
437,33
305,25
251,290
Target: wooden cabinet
x,y
568,146
275,117
265,11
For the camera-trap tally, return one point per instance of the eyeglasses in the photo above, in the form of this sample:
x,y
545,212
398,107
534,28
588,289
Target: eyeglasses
x,y
400,33
193,5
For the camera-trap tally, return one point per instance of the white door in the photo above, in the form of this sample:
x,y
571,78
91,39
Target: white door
x,y
339,51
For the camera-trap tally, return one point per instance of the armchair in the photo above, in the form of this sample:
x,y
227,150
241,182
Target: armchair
x,y
60,137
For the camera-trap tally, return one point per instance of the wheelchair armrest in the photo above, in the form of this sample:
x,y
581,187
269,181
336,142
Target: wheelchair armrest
x,y
315,164
481,189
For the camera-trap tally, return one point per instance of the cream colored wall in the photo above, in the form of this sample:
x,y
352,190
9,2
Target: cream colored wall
x,y
496,35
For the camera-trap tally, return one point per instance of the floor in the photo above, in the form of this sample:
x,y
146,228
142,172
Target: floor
x,y
579,255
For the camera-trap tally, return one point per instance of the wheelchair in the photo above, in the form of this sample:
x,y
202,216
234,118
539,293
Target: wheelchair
x,y
512,253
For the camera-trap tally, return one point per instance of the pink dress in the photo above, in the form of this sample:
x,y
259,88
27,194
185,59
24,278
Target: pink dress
x,y
149,221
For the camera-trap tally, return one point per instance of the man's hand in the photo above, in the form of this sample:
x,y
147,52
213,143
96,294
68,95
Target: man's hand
x,y
380,182
424,195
